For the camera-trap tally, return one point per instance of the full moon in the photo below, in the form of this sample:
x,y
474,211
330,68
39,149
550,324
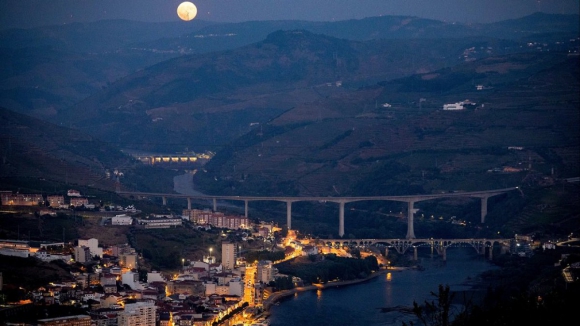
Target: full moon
x,y
186,11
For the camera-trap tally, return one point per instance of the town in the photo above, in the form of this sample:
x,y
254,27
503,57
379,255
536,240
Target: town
x,y
108,283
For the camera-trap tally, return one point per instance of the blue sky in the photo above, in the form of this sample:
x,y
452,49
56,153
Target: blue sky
x,y
30,13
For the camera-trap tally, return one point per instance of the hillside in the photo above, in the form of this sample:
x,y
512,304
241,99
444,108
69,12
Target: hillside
x,y
201,102
353,145
39,157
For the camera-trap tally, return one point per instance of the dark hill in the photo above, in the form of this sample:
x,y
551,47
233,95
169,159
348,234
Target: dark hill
x,y
203,101
36,150
353,145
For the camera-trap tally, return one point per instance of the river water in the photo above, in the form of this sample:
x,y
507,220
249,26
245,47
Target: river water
x,y
362,304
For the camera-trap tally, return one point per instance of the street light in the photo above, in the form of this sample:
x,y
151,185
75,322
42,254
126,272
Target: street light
x,y
182,263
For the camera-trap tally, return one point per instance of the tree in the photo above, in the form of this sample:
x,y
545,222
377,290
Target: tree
x,y
435,313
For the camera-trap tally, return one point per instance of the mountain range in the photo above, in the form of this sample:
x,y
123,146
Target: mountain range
x,y
298,108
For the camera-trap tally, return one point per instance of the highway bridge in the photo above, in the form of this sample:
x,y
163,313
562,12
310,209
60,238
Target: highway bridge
x,y
341,201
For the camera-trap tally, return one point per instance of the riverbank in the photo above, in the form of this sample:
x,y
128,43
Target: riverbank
x,y
276,296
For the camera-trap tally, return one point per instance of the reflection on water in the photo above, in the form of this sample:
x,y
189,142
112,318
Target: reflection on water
x,y
364,304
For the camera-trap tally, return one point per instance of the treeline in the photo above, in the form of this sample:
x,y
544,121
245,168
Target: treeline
x,y
252,256
321,269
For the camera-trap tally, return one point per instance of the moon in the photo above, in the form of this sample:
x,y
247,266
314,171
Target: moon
x,y
186,11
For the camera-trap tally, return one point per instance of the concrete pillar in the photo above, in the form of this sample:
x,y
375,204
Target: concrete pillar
x,y
164,200
483,208
386,251
415,256
410,229
341,219
444,253
189,203
245,208
214,204
491,252
289,214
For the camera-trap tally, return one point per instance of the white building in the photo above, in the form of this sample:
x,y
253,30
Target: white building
x,y
160,223
210,288
453,106
45,256
132,280
138,314
121,219
155,276
93,245
237,287
265,271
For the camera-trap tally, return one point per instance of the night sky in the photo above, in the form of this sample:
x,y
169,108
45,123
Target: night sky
x,y
32,13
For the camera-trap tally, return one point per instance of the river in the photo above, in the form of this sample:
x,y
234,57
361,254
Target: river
x,y
362,304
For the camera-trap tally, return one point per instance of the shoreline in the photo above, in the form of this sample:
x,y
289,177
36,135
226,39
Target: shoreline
x,y
276,296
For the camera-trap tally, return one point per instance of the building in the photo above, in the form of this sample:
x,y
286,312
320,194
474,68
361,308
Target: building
x,y
217,219
78,320
73,193
453,106
128,260
82,254
56,201
228,255
16,248
265,272
93,245
236,287
137,314
10,199
121,219
132,280
79,201
186,287
159,223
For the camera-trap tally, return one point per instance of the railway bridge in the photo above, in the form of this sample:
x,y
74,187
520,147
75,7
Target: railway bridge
x,y
482,246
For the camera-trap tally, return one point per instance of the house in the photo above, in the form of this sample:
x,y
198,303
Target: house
x,y
453,106
79,201
73,193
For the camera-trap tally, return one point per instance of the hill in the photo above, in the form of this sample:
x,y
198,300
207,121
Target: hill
x,y
201,102
41,157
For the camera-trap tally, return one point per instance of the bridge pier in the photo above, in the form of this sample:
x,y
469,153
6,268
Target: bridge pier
x,y
164,199
245,208
444,254
410,229
491,252
289,214
415,256
341,219
483,208
188,203
214,204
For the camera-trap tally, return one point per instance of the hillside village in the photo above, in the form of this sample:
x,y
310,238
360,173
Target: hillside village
x,y
111,284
